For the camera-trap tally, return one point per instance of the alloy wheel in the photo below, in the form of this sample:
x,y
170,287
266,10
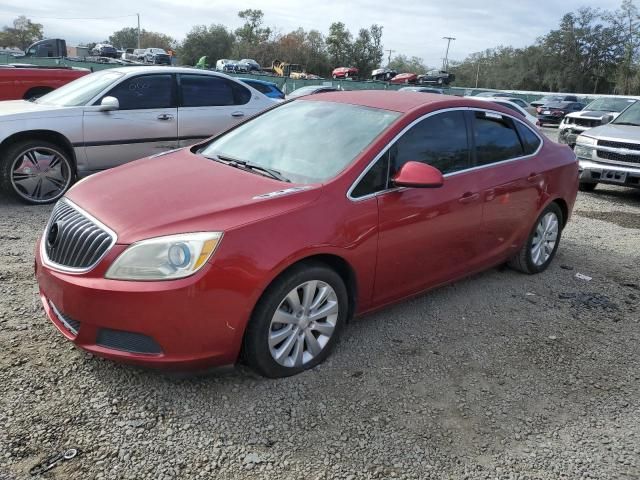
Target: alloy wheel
x,y
40,174
303,323
544,239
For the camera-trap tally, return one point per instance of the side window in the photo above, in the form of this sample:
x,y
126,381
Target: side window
x,y
530,141
510,107
374,180
495,138
260,87
144,92
211,91
439,140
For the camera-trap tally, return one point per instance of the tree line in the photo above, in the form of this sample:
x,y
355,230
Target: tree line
x,y
591,51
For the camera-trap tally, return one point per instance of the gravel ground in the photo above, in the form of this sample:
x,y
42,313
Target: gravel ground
x,y
501,375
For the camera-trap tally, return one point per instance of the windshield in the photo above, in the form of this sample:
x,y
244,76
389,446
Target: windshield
x,y
631,116
306,141
80,91
610,104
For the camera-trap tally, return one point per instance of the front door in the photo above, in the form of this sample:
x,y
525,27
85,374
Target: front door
x,y
429,236
145,124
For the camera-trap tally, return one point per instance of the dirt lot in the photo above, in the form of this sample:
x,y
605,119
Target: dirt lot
x,y
501,375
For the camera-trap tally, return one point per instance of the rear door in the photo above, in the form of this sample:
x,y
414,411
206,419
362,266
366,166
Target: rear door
x,y
511,180
428,236
210,104
145,124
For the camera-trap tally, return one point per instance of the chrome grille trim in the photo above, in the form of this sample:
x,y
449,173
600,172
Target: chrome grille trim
x,y
86,239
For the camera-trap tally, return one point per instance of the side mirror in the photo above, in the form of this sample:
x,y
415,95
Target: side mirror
x,y
418,175
109,103
608,118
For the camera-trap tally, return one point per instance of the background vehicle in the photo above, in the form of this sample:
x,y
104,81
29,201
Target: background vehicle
x,y
422,89
109,118
554,112
270,89
511,106
231,66
553,99
311,90
438,77
157,56
50,47
610,153
291,70
407,192
252,65
592,116
134,54
104,50
29,82
345,72
404,78
492,95
385,74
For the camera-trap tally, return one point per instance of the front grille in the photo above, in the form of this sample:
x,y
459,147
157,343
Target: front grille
x,y
618,157
73,240
72,326
609,143
127,341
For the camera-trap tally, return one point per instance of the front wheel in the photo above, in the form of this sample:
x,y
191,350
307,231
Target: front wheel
x,y
297,321
541,245
36,171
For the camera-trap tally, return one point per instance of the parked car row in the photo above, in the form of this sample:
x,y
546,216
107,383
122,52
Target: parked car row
x,y
433,77
246,65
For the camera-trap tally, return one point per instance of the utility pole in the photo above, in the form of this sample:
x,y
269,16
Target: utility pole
x,y
445,64
390,52
477,74
138,15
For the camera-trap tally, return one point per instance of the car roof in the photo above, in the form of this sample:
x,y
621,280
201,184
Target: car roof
x,y
159,69
402,102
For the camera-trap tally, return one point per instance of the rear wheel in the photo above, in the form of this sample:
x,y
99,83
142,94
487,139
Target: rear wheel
x,y
36,171
587,187
541,245
297,321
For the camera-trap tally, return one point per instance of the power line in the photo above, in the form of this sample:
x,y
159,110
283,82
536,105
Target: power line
x,y
82,18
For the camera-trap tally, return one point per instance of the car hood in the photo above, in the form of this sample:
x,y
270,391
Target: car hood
x,y
179,192
11,109
592,114
611,131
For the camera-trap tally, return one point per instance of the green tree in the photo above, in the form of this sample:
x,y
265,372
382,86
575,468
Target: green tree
x,y
251,34
215,42
22,34
366,51
339,46
128,38
403,64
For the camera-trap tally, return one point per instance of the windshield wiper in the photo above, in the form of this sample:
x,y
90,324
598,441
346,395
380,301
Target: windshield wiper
x,y
270,172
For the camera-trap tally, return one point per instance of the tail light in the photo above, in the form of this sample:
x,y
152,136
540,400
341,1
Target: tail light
x,y
539,109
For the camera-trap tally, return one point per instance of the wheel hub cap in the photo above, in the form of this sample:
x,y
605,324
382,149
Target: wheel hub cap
x,y
544,239
40,174
303,323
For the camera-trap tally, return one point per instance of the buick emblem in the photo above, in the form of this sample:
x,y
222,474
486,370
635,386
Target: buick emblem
x,y
52,236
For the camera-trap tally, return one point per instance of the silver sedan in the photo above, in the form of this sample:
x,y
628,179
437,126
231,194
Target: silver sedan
x,y
112,117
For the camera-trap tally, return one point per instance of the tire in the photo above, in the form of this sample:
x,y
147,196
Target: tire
x,y
260,353
587,187
526,260
27,175
440,81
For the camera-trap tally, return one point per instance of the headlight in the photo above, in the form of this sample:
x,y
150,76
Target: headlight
x,y
582,140
583,151
165,258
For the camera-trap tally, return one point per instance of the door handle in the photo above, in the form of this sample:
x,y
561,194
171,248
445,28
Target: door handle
x,y
534,177
237,114
469,197
165,116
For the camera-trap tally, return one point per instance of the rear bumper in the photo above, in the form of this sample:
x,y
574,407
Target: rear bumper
x,y
549,119
622,175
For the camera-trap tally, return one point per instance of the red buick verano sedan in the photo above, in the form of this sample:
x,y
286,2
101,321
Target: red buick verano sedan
x,y
262,242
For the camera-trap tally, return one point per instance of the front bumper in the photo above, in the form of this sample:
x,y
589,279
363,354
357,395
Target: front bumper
x,y
184,324
596,172
568,135
549,119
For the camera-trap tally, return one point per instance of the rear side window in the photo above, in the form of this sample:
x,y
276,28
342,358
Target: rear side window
x,y
495,138
530,141
144,92
260,87
211,91
439,140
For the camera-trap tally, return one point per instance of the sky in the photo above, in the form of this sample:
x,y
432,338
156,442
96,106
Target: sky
x,y
411,27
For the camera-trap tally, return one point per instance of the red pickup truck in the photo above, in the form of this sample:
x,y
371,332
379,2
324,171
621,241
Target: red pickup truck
x,y
31,81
